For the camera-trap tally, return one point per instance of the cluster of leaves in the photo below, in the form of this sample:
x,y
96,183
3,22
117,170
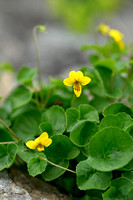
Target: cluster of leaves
x,y
91,155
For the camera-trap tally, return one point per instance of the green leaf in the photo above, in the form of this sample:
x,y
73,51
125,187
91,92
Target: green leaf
x,y
120,120
91,195
56,117
115,108
59,152
107,63
26,75
19,111
72,117
37,165
4,116
88,178
97,84
99,103
26,126
82,132
61,148
19,97
6,66
7,155
93,58
131,63
114,94
26,154
130,130
105,74
46,127
41,28
88,112
85,150
83,99
110,149
5,136
53,172
127,167
121,66
110,89
128,175
90,47
121,188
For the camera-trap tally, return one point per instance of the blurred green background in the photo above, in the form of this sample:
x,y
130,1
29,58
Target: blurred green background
x,y
82,15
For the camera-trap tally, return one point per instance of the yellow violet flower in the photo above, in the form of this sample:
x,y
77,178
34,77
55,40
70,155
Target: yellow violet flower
x,y
76,79
113,33
118,37
104,29
40,142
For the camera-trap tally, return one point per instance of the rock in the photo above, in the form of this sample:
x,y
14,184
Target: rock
x,y
7,83
37,188
21,186
10,191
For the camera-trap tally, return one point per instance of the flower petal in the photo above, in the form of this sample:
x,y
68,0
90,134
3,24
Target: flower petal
x,y
78,90
84,80
104,29
43,137
116,35
68,82
79,75
31,144
48,142
72,75
40,148
121,45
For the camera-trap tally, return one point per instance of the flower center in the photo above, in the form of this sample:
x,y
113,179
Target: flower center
x,y
77,86
40,147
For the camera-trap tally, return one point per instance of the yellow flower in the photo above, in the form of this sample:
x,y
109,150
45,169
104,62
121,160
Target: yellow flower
x,y
121,44
104,29
118,37
76,79
40,142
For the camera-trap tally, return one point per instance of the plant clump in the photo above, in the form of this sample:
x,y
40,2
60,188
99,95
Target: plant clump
x,y
81,140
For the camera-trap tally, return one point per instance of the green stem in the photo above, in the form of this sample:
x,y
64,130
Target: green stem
x,y
47,97
73,100
57,165
2,122
11,142
36,102
96,36
112,81
38,62
126,82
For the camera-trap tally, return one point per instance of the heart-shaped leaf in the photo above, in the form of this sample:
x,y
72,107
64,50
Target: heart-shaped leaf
x,y
115,108
56,117
37,165
88,178
82,132
120,120
111,148
7,155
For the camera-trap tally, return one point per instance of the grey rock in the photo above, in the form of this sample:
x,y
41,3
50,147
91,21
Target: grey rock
x,y
37,188
10,191
20,186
